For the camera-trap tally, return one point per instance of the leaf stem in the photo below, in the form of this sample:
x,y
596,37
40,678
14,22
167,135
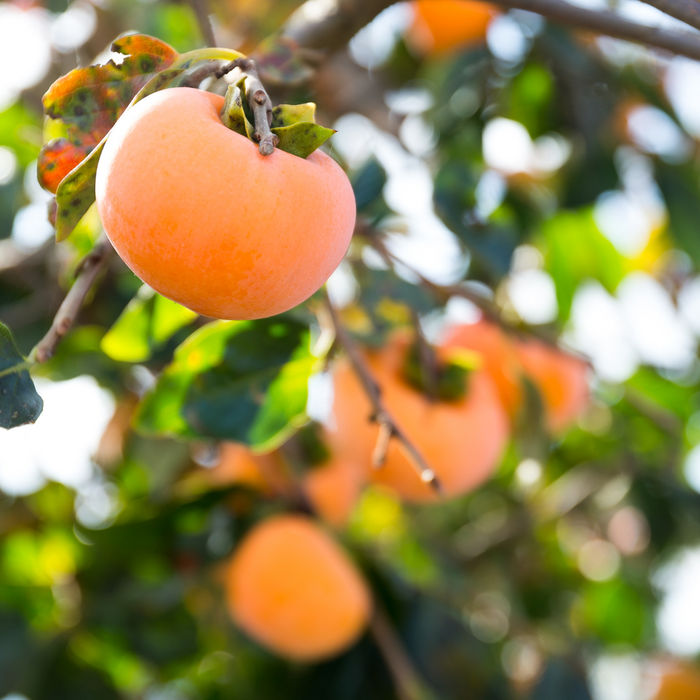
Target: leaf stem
x,y
258,101
388,426
27,364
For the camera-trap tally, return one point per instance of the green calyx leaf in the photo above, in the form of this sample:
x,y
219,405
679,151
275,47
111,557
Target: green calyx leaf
x,y
303,138
444,381
286,115
293,125
19,402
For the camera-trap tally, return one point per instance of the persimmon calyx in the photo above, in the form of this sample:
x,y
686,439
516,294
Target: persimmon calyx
x,y
291,128
445,380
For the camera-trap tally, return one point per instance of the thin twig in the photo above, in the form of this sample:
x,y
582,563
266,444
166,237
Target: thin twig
x,y
381,415
258,101
408,684
443,292
205,27
687,11
87,271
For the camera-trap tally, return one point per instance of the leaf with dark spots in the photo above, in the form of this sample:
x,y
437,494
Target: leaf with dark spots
x,y
303,138
19,402
57,158
76,192
90,100
286,115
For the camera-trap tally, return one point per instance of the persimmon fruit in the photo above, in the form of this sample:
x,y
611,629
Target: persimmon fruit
x,y
559,376
462,440
201,216
291,587
498,358
439,26
561,379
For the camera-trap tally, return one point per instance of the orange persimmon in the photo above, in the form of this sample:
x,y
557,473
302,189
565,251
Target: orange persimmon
x,y
291,587
202,217
440,26
462,440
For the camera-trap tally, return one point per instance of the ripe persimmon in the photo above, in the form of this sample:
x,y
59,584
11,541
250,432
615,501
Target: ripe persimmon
x,y
201,216
442,25
561,379
293,589
461,440
332,486
559,376
498,358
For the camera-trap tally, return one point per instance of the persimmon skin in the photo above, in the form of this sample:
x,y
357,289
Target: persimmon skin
x,y
561,379
462,441
198,214
441,26
498,358
293,589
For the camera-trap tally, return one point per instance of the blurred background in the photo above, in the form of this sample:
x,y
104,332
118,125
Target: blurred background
x,y
550,173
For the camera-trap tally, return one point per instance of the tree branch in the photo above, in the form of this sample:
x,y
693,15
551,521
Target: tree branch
x,y
68,311
331,25
387,426
408,684
687,11
205,27
611,24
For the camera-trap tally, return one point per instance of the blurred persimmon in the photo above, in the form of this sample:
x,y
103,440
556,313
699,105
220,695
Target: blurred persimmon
x,y
292,588
461,439
440,26
498,358
561,379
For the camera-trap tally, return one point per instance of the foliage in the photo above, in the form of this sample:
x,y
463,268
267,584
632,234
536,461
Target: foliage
x,y
491,593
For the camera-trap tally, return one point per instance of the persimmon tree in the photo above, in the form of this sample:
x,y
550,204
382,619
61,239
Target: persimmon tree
x,y
480,508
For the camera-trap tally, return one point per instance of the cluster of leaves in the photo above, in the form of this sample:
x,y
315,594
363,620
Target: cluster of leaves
x,y
134,607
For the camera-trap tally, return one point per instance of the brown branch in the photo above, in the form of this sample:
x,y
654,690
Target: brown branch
x,y
408,684
687,11
205,27
258,101
610,24
87,271
341,20
381,415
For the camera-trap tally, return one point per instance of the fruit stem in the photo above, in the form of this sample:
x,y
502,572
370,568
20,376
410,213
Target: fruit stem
x,y
258,100
388,426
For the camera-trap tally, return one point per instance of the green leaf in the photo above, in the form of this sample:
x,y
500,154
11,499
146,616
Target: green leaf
x,y
286,115
76,192
233,115
146,324
19,402
368,183
244,381
576,251
159,411
303,138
